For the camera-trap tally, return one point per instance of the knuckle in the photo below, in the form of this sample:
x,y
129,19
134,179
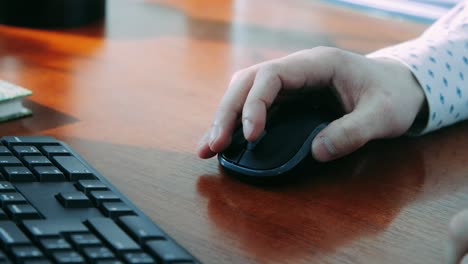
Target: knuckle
x,y
270,69
327,53
323,48
227,112
338,57
305,52
260,101
353,134
240,75
330,51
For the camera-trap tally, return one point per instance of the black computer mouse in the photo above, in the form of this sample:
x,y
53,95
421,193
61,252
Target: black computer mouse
x,y
283,148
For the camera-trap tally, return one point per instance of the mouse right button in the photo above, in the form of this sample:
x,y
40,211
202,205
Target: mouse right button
x,y
260,161
252,145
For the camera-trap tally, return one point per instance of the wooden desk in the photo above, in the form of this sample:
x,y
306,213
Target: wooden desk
x,y
134,94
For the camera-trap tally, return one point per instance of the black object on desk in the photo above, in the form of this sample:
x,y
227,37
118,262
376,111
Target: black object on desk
x,y
50,13
283,149
55,208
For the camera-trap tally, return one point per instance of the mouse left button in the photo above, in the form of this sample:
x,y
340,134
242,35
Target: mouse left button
x,y
234,152
232,155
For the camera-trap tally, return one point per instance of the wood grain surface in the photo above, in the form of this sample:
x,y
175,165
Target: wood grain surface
x,y
134,93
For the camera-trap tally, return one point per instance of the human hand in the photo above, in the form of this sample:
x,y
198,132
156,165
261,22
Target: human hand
x,y
457,251
381,99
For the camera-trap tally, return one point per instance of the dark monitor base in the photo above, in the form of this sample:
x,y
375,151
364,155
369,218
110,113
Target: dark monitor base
x,y
51,13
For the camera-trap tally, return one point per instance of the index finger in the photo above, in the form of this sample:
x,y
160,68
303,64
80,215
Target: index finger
x,y
219,135
311,68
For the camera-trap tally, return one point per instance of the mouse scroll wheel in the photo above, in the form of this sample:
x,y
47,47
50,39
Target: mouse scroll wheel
x,y
252,145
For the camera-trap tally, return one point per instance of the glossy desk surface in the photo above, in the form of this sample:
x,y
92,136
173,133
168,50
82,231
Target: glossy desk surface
x,y
134,94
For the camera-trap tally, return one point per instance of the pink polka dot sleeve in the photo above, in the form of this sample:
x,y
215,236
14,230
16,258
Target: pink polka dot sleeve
x,y
439,61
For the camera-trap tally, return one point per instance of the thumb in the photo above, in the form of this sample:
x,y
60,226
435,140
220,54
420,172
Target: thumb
x,y
458,239
347,134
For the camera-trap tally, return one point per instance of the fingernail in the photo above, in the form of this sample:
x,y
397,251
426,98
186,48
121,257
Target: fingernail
x,y
323,149
247,127
328,145
202,140
214,134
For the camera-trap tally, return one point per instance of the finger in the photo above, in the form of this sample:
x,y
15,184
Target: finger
x,y
229,110
458,237
310,69
203,148
265,88
350,132
464,260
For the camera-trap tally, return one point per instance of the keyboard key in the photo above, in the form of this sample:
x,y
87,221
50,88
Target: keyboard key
x,y
3,215
11,141
33,161
74,200
12,198
140,229
138,258
50,151
116,209
43,261
4,151
11,235
49,174
99,197
22,211
98,253
26,150
73,168
53,228
167,251
3,258
21,253
88,186
68,257
83,240
19,174
6,187
9,161
54,244
107,230
110,261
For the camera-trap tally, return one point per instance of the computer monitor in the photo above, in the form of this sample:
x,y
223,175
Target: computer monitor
x,y
50,13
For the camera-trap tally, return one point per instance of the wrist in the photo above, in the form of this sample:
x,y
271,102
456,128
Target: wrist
x,y
411,90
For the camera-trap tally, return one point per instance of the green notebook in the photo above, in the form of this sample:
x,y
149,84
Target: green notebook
x,y
11,101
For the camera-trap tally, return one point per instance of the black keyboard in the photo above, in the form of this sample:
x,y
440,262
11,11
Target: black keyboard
x,y
55,208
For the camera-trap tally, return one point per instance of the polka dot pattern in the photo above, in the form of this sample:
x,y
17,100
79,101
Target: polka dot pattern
x,y
439,61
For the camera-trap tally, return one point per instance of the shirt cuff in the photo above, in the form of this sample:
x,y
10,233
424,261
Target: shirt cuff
x,y
439,67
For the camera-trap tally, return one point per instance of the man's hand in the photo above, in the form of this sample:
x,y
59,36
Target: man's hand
x,y
380,96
